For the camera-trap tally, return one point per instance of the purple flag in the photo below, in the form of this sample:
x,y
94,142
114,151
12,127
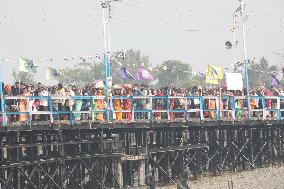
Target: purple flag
x,y
283,72
274,81
125,74
143,74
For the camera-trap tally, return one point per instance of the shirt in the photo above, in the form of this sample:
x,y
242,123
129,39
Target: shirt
x,y
43,101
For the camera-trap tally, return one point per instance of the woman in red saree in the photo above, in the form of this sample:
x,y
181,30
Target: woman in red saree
x,y
127,104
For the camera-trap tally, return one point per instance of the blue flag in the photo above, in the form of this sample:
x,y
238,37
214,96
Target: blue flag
x,y
125,74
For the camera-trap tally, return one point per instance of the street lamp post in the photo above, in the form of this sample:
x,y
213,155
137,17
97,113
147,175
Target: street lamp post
x,y
106,16
245,48
106,22
242,4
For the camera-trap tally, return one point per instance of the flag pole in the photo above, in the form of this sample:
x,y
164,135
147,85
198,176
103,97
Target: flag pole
x,y
19,79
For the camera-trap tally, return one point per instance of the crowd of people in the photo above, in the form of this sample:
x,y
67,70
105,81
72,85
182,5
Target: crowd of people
x,y
122,105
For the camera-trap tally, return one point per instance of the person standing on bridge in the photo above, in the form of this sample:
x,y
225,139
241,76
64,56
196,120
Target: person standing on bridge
x,y
117,102
127,105
98,104
43,103
24,104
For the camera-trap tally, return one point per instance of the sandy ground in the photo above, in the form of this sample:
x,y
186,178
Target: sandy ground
x,y
264,178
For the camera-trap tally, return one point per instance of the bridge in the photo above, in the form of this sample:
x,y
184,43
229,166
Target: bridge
x,y
109,147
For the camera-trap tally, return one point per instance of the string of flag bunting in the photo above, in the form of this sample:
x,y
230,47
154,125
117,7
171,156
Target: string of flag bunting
x,y
82,58
212,76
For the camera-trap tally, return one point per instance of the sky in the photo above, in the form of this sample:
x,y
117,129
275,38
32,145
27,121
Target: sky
x,y
192,31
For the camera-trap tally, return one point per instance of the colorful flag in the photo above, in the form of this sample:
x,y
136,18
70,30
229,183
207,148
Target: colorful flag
x,y
211,79
220,73
125,74
215,72
51,74
143,74
26,65
212,71
274,81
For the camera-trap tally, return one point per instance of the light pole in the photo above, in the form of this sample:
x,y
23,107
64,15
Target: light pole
x,y
106,21
234,37
106,16
245,48
242,4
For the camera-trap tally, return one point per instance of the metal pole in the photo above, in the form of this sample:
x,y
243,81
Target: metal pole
x,y
2,104
106,61
245,56
234,34
109,51
104,27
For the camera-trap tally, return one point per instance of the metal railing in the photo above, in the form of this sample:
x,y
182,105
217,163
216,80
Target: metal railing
x,y
72,109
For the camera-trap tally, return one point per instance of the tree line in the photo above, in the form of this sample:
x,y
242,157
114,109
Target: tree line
x,y
170,72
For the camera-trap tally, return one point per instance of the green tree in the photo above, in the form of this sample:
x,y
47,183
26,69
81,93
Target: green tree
x,y
132,60
198,80
25,77
82,74
260,73
174,72
86,72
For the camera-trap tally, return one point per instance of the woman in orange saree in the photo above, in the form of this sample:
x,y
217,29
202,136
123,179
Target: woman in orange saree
x,y
118,104
24,106
212,107
99,104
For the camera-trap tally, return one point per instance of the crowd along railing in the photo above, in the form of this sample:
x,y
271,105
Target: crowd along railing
x,y
72,109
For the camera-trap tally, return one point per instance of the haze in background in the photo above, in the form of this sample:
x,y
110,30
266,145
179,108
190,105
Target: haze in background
x,y
186,30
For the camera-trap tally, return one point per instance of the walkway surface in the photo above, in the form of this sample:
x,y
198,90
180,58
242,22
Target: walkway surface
x,y
265,178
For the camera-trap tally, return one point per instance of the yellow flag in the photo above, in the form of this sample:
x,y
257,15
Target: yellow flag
x,y
211,79
220,73
214,71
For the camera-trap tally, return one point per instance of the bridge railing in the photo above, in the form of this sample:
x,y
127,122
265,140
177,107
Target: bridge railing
x,y
53,109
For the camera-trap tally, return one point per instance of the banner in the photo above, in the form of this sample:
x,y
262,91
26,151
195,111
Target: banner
x,y
234,81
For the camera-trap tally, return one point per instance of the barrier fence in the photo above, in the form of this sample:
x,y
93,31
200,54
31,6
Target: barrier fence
x,y
28,109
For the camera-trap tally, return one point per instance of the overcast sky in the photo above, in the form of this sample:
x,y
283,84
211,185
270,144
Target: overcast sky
x,y
187,30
